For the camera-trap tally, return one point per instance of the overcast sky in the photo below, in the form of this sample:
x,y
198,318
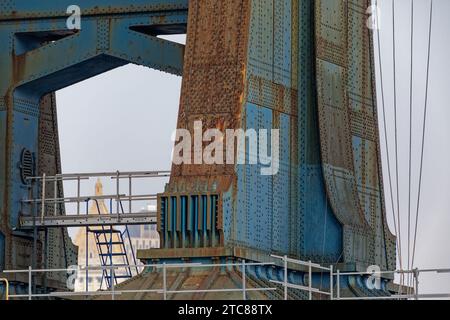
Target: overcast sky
x,y
123,120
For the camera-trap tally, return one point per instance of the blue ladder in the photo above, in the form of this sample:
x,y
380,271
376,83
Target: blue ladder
x,y
111,247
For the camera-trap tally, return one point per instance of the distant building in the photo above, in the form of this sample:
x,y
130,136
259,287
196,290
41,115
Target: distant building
x,y
143,237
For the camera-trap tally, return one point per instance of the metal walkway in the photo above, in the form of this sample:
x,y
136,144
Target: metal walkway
x,y
88,220
43,212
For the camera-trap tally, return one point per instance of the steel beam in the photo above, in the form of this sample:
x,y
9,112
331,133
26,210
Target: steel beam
x,y
25,9
88,220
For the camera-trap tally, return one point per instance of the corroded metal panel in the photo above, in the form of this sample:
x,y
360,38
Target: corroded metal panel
x,y
301,66
40,55
307,72
59,249
212,92
349,130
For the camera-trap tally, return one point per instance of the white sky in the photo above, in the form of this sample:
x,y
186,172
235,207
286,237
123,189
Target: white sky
x,y
123,120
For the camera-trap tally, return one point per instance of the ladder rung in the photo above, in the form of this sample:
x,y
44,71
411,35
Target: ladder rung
x,y
105,231
115,254
118,277
108,243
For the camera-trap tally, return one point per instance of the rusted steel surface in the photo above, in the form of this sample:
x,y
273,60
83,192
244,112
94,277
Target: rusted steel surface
x,y
185,279
59,250
349,130
39,55
212,92
24,9
303,67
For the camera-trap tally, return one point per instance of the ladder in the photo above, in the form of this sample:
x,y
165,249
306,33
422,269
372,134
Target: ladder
x,y
113,253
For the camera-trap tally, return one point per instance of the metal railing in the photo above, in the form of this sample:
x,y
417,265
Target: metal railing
x,y
164,291
411,292
118,197
310,289
42,211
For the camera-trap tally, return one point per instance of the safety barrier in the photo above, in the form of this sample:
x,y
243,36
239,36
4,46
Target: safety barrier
x,y
164,291
411,292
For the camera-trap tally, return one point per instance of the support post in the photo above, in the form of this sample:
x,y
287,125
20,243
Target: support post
x,y
285,258
331,283
78,195
43,199
45,256
87,259
164,281
338,284
55,195
35,231
310,279
112,283
29,283
130,190
244,293
416,280
118,194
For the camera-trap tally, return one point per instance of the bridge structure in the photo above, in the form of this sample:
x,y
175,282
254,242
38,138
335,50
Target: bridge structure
x,y
303,67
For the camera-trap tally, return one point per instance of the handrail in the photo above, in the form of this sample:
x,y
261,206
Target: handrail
x,y
6,287
164,291
122,175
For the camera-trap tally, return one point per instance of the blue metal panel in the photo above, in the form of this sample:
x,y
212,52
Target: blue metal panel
x,y
194,210
184,208
25,9
238,231
163,221
262,222
282,42
321,231
40,56
261,39
281,190
250,209
204,200
228,216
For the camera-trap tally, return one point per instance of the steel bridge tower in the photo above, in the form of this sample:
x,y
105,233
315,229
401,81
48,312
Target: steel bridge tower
x,y
301,66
